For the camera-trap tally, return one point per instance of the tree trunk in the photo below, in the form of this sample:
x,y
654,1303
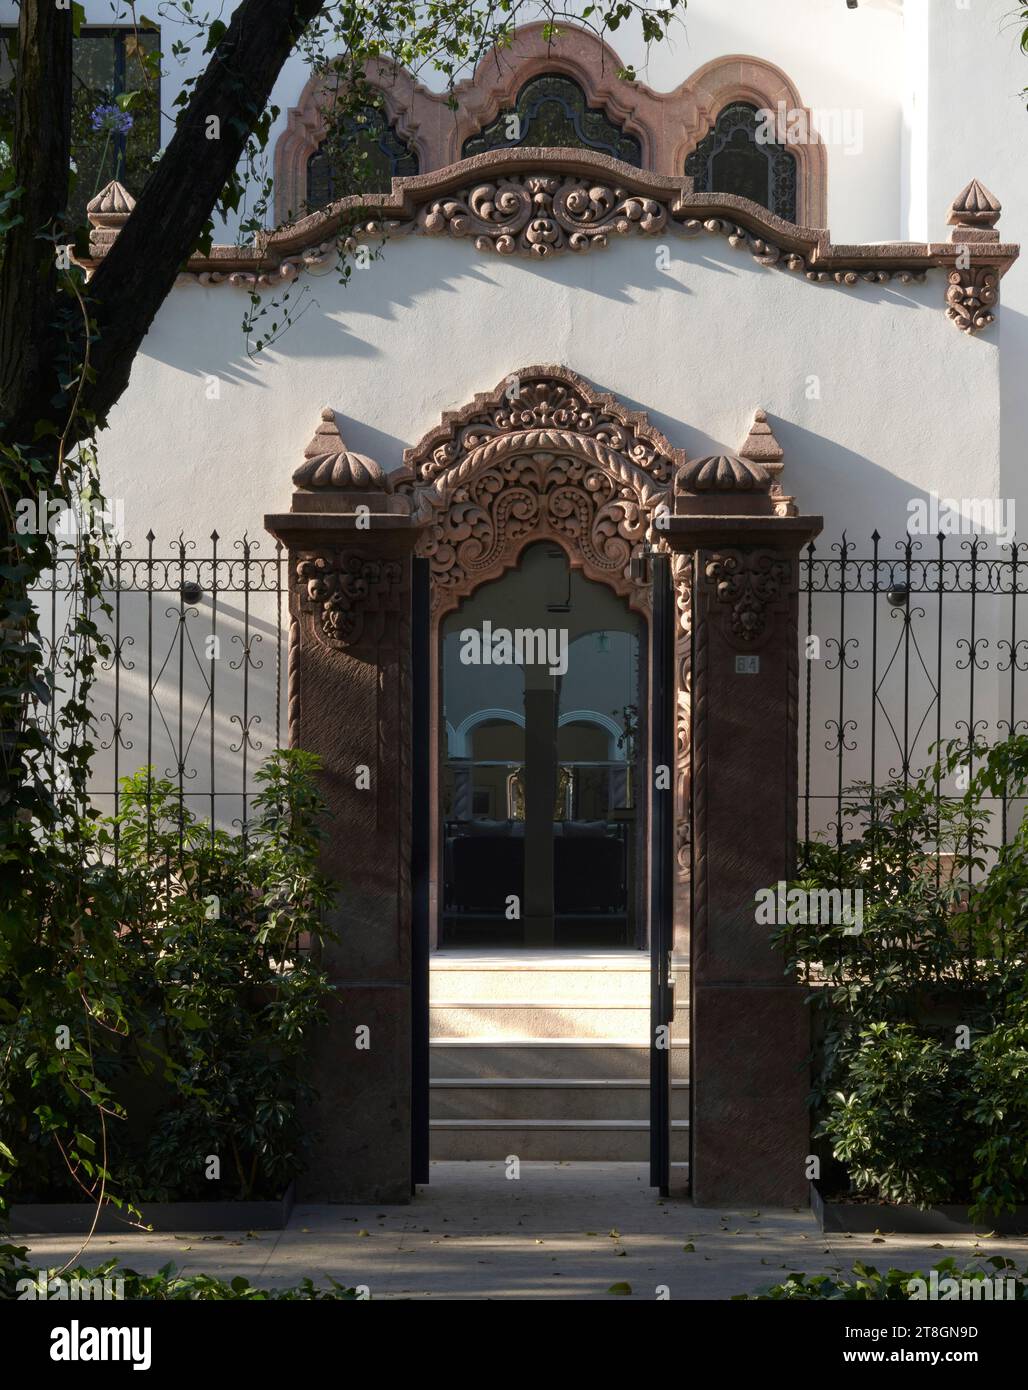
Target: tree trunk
x,y
28,275
139,270
42,331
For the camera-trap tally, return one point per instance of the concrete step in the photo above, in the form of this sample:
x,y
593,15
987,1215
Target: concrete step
x,y
625,1141
621,978
521,1098
550,1058
526,1018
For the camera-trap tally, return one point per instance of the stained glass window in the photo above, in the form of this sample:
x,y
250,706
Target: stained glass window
x,y
551,110
110,138
362,156
731,159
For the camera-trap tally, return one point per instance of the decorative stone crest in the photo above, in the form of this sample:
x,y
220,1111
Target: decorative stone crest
x,y
748,583
542,214
543,202
349,595
329,464
542,456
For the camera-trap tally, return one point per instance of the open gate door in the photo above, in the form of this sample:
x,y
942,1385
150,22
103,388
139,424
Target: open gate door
x,y
421,825
661,808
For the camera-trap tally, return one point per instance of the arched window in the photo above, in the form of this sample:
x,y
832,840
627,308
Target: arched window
x,y
362,156
551,111
736,157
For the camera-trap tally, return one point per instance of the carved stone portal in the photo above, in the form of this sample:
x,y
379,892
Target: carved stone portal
x,y
541,457
545,456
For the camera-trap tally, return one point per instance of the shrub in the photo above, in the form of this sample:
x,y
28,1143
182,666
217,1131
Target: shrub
x,y
209,945
921,1055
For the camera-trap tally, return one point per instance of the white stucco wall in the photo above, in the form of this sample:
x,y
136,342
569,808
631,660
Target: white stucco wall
x,y
981,135
873,394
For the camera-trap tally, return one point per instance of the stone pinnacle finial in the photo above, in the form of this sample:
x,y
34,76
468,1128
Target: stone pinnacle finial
x,y
329,464
107,213
761,446
974,214
721,473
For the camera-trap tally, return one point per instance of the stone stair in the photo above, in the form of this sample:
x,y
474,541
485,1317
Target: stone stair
x,y
545,1055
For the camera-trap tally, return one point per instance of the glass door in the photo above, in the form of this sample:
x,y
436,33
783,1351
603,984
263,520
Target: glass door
x,y
542,833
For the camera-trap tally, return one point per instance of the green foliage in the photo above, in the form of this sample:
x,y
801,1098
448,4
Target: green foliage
x,y
200,954
168,1285
866,1284
998,1107
922,1060
885,1126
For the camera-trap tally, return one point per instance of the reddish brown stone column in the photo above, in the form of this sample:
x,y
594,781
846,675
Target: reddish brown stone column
x,y
749,1028
349,542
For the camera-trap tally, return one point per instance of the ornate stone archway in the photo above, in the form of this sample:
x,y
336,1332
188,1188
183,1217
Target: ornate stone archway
x,y
544,455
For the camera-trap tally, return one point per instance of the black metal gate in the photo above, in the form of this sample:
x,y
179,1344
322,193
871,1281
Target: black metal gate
x,y
421,824
662,822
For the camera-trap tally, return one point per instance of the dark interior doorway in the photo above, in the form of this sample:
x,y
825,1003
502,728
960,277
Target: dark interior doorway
x,y
541,742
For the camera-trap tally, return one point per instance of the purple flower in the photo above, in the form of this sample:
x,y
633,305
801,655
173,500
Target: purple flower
x,y
112,119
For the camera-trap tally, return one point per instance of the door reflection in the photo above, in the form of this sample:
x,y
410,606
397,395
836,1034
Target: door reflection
x,y
541,841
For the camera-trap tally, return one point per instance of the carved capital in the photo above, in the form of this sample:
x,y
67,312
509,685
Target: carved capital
x,y
971,296
750,584
350,597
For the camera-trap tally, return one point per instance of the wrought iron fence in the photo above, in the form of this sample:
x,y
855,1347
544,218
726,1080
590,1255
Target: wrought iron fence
x,y
908,645
193,685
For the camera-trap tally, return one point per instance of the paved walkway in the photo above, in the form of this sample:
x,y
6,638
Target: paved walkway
x,y
561,1230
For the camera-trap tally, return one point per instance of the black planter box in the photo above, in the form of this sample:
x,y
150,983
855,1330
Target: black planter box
x,y
76,1218
864,1218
